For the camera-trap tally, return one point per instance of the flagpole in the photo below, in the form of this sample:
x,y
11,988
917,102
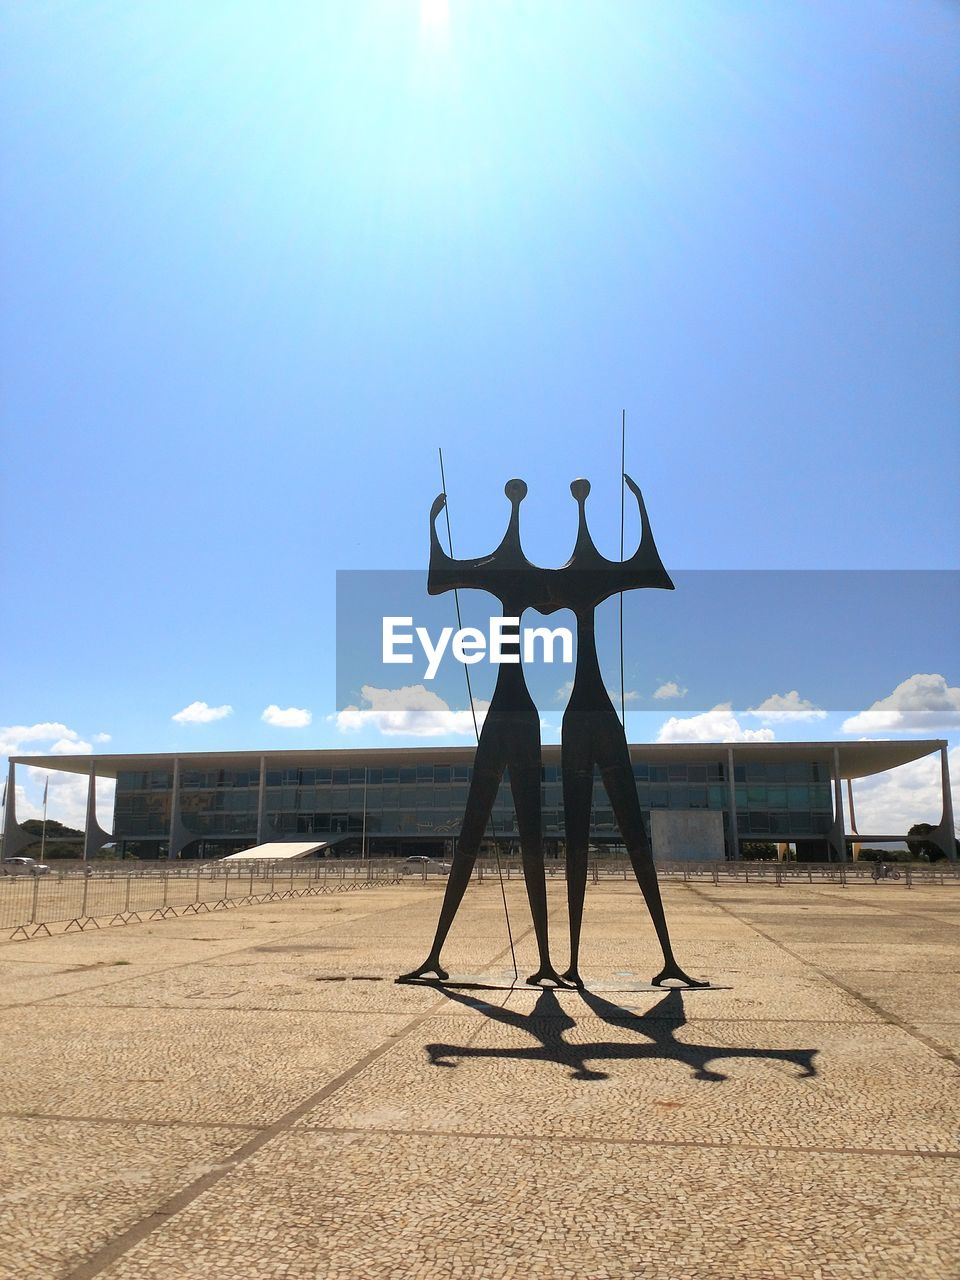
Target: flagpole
x,y
43,829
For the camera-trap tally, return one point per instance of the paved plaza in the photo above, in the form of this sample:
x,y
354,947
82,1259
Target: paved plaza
x,y
247,1094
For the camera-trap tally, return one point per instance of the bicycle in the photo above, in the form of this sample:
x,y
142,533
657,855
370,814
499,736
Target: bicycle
x,y
882,872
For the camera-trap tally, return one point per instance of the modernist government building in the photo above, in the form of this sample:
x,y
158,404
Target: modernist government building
x,y
699,800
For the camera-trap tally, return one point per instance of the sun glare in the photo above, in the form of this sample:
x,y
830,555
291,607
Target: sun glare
x,y
434,15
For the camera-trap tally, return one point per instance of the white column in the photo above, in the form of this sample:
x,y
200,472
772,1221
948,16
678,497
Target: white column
x,y
947,819
732,796
90,830
9,805
14,837
363,829
838,834
262,803
853,819
172,846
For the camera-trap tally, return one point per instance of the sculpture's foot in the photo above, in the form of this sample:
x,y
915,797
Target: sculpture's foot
x,y
429,971
545,976
673,971
572,975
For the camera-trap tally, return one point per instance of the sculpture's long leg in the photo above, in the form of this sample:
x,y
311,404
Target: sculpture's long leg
x,y
617,774
525,785
577,766
487,771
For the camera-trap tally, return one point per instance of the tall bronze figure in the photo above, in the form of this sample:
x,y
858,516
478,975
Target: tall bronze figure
x,y
510,737
592,733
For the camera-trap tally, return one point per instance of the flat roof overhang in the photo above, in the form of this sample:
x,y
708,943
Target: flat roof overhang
x,y
857,759
279,851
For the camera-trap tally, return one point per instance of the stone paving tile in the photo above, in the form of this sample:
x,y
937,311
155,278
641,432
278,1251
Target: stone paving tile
x,y
431,1207
945,1033
717,1082
388,959
911,996
219,1019
248,984
923,959
738,994
24,981
210,1066
69,1187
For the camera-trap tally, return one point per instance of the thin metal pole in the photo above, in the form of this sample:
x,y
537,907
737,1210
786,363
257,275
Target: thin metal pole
x,y
456,593
623,452
476,730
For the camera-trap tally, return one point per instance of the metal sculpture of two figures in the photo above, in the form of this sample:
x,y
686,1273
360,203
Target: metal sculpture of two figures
x,y
592,735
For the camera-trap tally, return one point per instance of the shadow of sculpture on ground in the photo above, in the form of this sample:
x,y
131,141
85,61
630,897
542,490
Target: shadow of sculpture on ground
x,y
549,1022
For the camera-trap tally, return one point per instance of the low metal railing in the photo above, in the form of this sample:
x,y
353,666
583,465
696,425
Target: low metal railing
x,y
30,904
116,894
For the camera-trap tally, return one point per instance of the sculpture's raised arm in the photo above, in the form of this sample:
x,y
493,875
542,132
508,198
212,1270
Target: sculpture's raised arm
x,y
496,572
445,573
644,568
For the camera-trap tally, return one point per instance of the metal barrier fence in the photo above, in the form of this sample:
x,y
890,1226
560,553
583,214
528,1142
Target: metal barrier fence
x,y
29,904
842,873
116,894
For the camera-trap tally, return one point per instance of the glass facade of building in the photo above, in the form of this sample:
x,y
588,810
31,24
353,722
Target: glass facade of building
x,y
404,803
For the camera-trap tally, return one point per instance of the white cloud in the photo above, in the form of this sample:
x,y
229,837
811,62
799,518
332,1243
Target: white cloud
x,y
919,704
200,713
565,690
15,738
70,747
887,804
26,808
669,689
101,737
719,724
286,717
786,706
413,710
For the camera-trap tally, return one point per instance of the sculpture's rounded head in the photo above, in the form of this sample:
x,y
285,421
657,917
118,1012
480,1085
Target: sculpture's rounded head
x,y
580,489
516,490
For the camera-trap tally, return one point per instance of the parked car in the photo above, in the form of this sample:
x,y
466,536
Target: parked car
x,y
419,865
24,867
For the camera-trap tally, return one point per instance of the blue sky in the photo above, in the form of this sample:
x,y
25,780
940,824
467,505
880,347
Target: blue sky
x,y
260,260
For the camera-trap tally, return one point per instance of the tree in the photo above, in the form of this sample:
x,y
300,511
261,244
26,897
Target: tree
x,y
61,841
758,850
55,830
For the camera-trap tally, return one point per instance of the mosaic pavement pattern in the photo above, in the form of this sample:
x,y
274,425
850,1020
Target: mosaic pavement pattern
x,y
247,1094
